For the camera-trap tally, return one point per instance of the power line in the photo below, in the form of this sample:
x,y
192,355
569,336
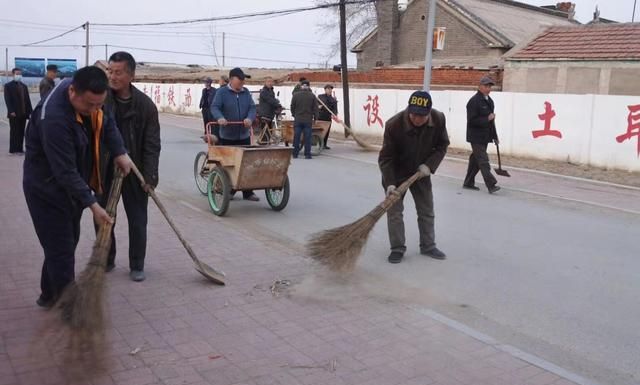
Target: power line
x,y
235,17
54,37
210,55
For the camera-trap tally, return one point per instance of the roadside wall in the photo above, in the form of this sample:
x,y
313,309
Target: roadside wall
x,y
598,130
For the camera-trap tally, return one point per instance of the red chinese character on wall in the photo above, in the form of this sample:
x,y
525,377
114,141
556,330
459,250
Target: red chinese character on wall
x,y
633,126
373,110
171,97
157,96
187,98
546,117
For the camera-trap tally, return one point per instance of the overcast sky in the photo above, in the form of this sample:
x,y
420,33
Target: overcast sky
x,y
286,41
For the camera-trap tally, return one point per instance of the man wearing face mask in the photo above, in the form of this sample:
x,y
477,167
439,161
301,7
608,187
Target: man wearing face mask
x,y
16,96
415,139
137,119
63,170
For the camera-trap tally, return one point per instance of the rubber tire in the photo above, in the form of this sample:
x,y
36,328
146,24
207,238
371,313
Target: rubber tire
x,y
279,206
317,144
201,182
226,191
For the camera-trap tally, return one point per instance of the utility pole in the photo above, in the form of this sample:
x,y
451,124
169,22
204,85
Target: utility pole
x,y
86,54
223,39
106,52
344,69
429,54
633,15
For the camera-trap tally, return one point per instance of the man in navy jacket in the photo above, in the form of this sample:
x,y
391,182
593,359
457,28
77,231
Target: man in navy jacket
x,y
62,170
234,103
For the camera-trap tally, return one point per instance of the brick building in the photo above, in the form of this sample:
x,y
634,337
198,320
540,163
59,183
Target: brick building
x,y
477,32
599,58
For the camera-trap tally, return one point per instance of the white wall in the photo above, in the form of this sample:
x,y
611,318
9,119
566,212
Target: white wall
x,y
589,124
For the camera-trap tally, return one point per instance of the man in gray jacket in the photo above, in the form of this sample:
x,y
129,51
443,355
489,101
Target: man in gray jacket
x,y
304,109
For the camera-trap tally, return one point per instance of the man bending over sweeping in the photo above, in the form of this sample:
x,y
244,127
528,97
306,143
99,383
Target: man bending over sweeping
x,y
415,139
66,134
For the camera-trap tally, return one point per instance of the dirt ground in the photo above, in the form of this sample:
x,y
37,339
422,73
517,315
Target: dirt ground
x,y
563,168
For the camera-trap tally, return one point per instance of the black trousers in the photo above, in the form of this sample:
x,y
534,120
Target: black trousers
x,y
135,202
206,118
326,137
479,161
240,142
16,134
57,226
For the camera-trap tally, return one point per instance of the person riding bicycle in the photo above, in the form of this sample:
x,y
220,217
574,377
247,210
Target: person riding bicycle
x,y
268,107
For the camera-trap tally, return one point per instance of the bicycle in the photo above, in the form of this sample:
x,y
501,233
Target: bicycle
x,y
270,135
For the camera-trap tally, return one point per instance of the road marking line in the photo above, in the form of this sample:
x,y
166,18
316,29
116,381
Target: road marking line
x,y
590,203
509,349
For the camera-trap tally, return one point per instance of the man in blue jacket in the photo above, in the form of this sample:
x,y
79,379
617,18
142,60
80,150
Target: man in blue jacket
x,y
62,170
234,103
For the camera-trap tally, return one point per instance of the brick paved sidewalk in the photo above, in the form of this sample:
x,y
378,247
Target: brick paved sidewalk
x,y
188,331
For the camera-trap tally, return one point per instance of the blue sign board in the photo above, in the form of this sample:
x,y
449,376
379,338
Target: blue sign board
x,y
31,67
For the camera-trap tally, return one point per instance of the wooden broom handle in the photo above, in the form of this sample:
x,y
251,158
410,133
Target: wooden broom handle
x,y
334,115
393,198
166,215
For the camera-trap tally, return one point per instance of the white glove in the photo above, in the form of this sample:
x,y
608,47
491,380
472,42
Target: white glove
x,y
424,169
391,189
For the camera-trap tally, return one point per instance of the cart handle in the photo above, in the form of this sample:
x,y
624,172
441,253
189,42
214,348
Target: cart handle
x,y
214,123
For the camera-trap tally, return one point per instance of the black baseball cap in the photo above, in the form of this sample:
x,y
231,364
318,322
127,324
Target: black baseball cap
x,y
237,72
328,86
420,103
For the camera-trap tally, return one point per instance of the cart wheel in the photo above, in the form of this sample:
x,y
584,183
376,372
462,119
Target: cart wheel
x,y
219,191
278,198
200,172
317,144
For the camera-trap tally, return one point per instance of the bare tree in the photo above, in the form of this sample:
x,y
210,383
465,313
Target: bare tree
x,y
361,19
210,42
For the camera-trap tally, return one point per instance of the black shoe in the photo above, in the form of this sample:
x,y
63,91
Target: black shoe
x,y
137,275
395,257
326,148
45,303
252,198
474,188
493,189
434,253
308,157
110,267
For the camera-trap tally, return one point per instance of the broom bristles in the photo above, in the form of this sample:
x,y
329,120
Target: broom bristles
x,y
339,248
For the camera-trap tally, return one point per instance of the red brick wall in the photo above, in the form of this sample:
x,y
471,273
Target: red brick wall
x,y
407,76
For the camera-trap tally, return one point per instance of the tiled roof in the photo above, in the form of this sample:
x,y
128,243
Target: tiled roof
x,y
590,42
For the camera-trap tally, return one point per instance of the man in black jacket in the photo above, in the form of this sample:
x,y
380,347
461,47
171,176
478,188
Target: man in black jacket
x,y
137,118
304,108
48,82
208,93
481,130
16,96
268,105
324,114
415,140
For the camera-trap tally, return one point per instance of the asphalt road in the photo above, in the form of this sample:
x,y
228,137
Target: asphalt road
x,y
549,265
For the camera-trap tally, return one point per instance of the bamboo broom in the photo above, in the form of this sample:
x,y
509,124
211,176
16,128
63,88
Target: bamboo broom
x,y
82,304
339,248
360,142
